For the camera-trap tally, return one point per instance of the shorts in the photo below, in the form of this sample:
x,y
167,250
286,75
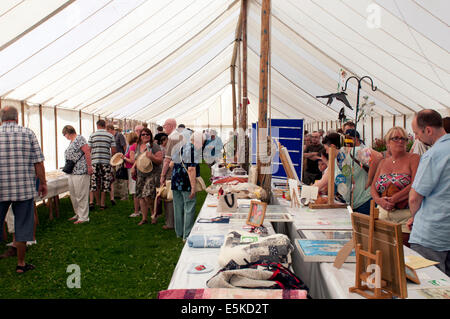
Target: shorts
x,y
101,178
23,219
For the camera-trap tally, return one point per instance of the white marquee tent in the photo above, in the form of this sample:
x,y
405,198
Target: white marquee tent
x,y
71,62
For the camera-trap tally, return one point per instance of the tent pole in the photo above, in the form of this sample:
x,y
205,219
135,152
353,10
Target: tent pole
x,y
264,166
371,128
243,112
79,117
22,107
56,136
41,126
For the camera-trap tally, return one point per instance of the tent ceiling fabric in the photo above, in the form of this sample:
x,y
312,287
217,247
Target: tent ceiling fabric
x,y
150,60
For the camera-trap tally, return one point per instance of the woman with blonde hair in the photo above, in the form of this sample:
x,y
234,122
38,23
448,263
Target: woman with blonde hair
x,y
393,180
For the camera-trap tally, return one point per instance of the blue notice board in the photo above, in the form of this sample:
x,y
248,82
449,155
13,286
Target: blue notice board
x,y
289,132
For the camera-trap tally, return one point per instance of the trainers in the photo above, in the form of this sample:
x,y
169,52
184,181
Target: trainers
x,y
11,244
135,214
29,243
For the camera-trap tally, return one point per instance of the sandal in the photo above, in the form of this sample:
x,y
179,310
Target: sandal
x,y
25,268
142,222
154,220
91,206
103,207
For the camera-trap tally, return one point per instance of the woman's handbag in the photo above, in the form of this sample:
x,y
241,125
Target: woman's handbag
x,y
199,182
227,203
122,172
70,165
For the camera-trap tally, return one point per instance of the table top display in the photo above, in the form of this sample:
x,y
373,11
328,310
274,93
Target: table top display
x,y
319,231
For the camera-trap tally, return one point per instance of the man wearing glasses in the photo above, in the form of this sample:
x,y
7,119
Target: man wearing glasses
x,y
429,199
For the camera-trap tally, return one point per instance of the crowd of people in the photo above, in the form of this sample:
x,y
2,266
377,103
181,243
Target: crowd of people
x,y
137,164
410,188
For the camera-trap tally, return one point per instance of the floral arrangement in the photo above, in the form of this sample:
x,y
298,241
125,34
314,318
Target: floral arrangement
x,y
379,145
410,142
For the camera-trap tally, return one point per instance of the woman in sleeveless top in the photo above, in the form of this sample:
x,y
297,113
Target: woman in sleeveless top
x,y
146,183
393,180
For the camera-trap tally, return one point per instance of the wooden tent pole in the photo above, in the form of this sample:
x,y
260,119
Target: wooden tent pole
x,y
22,107
233,95
264,178
79,117
41,126
56,136
243,110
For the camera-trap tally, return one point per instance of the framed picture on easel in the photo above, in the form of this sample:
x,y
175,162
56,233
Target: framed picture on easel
x,y
378,244
257,213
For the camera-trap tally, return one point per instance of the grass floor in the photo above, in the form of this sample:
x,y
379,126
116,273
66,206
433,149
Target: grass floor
x,y
117,258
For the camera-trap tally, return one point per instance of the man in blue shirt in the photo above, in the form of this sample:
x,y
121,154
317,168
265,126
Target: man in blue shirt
x,y
429,199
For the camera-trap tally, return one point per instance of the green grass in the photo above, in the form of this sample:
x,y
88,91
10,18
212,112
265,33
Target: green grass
x,y
117,258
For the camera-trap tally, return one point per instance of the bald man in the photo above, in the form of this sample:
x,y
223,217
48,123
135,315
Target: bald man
x,y
138,129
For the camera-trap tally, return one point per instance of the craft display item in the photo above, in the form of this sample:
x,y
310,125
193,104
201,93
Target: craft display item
x,y
322,250
218,219
256,213
380,262
227,203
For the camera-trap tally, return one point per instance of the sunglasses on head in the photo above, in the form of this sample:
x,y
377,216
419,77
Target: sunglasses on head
x,y
398,138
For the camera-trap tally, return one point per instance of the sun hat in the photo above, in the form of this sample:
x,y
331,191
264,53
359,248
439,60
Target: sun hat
x,y
144,164
116,159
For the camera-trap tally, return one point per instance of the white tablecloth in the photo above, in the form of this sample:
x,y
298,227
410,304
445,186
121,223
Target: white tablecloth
x,y
180,277
323,279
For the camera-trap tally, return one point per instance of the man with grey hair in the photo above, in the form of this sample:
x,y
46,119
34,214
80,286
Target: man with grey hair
x,y
21,160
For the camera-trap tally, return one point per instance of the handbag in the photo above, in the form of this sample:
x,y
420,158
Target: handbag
x,y
122,173
199,182
227,203
70,165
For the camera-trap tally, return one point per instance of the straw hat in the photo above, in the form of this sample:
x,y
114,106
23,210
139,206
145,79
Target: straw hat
x,y
144,164
116,159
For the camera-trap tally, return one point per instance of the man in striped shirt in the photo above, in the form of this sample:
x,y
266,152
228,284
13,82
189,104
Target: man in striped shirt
x,y
102,146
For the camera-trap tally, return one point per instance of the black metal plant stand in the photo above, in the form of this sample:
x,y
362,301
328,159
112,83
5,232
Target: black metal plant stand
x,y
356,117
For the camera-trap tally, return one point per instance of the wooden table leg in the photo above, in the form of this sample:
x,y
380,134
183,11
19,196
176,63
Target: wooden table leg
x,y
50,208
56,199
5,234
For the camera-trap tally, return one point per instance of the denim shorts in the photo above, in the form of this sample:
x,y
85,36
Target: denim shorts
x,y
23,219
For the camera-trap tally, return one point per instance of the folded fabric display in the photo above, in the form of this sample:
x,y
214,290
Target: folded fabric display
x,y
226,293
205,241
257,275
274,248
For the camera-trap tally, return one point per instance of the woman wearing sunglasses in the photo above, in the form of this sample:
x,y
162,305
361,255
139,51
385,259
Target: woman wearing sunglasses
x,y
147,182
393,180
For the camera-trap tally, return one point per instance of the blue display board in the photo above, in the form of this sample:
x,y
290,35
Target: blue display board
x,y
289,132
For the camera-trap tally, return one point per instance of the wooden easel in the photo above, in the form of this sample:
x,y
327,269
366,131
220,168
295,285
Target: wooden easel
x,y
361,275
331,167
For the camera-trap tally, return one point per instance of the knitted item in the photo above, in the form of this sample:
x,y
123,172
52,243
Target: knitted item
x,y
275,248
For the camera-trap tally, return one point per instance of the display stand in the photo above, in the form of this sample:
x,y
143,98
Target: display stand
x,y
331,167
378,245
